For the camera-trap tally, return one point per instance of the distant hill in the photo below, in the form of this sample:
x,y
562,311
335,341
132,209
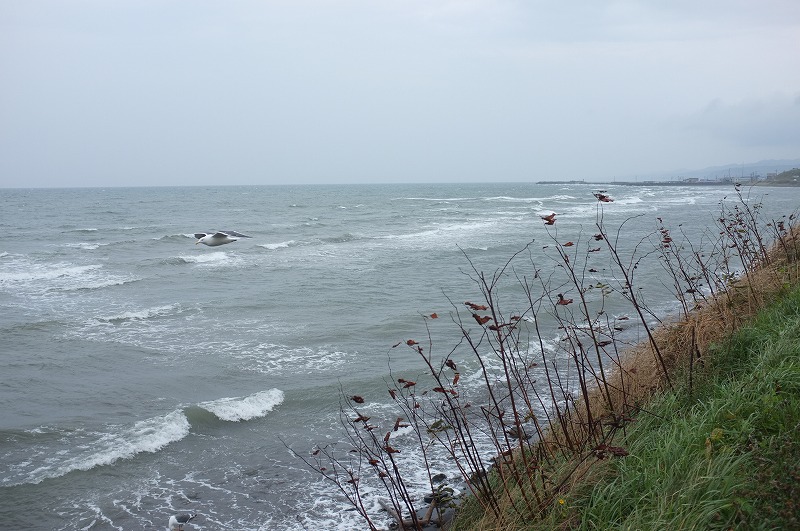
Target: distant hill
x,y
733,171
785,178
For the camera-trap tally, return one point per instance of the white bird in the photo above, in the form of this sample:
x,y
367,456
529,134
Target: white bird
x,y
177,521
221,237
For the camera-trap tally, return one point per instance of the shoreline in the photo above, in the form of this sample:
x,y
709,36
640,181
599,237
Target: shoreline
x,y
638,374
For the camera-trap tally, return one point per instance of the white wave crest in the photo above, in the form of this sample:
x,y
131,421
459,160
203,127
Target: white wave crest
x,y
83,245
244,408
209,258
30,276
141,314
55,271
275,246
149,435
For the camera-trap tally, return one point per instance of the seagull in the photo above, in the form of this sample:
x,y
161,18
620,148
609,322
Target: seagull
x,y
220,237
177,521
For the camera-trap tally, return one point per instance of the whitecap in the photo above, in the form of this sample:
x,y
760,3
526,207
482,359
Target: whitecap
x,y
275,246
83,245
630,200
140,315
244,408
149,435
206,258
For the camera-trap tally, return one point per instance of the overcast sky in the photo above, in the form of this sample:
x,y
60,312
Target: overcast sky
x,y
178,92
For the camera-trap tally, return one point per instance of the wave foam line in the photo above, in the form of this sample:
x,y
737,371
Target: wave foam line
x,y
149,435
236,409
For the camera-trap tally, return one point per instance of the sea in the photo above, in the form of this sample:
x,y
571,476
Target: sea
x,y
143,375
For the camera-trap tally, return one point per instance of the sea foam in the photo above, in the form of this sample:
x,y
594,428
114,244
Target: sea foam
x,y
148,435
236,409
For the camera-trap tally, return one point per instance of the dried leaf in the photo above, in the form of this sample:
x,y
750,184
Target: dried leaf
x,y
481,320
562,301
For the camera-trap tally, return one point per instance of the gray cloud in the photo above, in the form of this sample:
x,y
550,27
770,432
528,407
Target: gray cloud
x,y
758,122
157,92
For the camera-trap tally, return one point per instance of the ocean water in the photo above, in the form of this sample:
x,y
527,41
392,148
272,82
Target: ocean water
x,y
144,375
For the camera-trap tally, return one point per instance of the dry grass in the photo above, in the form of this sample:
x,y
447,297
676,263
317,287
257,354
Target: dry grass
x,y
682,345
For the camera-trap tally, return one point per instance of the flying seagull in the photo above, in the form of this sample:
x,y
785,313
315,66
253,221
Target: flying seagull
x,y
220,237
177,521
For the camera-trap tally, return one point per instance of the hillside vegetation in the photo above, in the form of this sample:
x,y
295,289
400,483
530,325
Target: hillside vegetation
x,y
786,178
693,428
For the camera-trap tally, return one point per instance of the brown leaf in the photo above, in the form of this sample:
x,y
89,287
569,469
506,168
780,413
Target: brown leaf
x,y
357,399
603,198
476,307
411,343
481,320
598,237
451,364
549,219
456,376
562,301
399,424
569,244
434,316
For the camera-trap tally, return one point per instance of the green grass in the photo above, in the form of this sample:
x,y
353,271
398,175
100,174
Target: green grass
x,y
725,456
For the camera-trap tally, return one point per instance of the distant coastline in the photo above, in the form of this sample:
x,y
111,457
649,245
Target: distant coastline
x,y
786,178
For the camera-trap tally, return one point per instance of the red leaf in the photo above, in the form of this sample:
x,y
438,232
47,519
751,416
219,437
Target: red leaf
x,y
392,393
409,384
569,244
399,424
476,307
549,219
604,198
481,320
456,376
357,399
434,316
562,301
390,450
411,342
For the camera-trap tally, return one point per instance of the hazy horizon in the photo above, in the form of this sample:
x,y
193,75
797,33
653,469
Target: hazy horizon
x,y
150,92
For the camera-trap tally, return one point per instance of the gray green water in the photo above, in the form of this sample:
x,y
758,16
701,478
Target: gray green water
x,y
144,375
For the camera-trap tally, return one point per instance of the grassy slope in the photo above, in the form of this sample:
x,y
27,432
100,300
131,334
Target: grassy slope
x,y
725,455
